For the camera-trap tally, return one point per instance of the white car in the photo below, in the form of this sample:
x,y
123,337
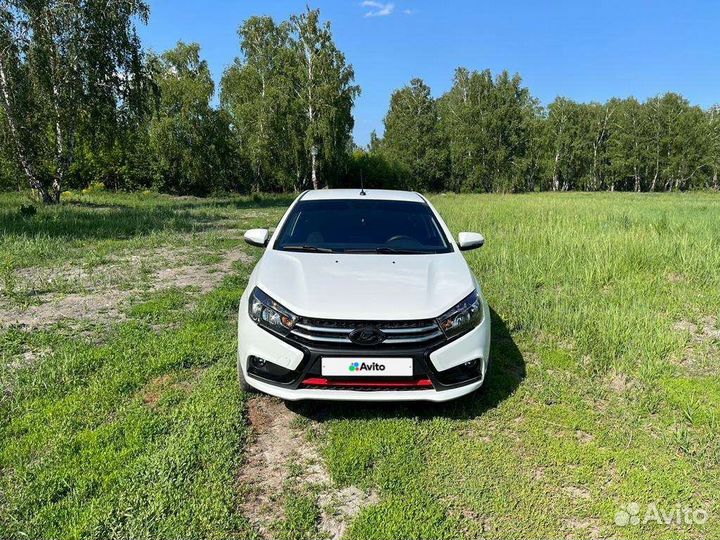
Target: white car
x,y
363,296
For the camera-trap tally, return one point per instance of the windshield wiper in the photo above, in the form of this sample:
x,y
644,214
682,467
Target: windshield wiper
x,y
310,249
388,250
401,251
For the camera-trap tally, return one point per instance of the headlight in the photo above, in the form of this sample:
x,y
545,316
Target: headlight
x,y
462,317
268,313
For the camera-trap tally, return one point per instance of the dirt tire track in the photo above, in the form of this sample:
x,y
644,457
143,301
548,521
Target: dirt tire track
x,y
275,445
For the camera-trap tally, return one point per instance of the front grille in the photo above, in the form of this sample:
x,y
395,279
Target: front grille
x,y
330,332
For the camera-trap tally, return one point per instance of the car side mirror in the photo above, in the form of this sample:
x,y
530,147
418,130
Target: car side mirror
x,y
470,240
257,237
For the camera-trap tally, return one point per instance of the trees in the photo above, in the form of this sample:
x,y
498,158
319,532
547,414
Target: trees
x,y
569,159
601,118
374,170
686,141
498,138
463,113
412,139
677,141
78,94
189,138
290,98
487,124
81,102
8,168
713,144
324,89
67,68
628,145
257,93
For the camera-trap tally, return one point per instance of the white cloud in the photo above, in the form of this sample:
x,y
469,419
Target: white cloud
x,y
408,11
377,9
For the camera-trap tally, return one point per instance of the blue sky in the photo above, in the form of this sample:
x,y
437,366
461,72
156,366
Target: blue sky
x,y
583,50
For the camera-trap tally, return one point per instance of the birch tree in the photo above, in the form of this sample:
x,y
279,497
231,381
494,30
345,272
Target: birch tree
x,y
412,138
189,138
464,119
66,67
560,138
628,144
325,93
257,91
713,158
601,115
290,97
487,122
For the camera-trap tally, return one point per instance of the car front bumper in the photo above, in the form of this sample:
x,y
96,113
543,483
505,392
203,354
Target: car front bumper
x,y
432,362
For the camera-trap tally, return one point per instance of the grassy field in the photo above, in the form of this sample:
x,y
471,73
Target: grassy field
x,y
120,415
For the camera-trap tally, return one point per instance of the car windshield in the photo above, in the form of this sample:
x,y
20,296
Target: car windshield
x,y
362,226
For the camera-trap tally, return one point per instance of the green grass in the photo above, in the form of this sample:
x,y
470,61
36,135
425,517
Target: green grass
x,y
301,514
106,441
587,291
160,306
141,433
604,388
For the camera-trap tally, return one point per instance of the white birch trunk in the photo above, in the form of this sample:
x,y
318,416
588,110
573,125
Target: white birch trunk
x,y
314,171
20,151
556,179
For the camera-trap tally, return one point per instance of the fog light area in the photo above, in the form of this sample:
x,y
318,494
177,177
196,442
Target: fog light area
x,y
261,368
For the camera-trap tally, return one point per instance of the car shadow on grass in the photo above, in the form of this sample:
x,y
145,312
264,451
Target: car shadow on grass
x,y
506,372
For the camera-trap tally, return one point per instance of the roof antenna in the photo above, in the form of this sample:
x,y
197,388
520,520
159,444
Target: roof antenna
x,y
362,186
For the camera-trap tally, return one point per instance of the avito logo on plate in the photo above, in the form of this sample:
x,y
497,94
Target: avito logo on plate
x,y
362,366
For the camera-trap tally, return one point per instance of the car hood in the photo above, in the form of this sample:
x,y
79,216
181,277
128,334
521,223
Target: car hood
x,y
365,286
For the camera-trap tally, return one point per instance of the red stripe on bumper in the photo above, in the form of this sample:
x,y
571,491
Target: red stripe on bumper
x,y
321,381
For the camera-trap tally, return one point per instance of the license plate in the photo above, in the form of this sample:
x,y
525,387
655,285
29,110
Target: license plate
x,y
367,367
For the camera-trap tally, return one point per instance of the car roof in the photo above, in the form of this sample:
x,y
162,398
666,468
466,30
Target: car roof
x,y
377,194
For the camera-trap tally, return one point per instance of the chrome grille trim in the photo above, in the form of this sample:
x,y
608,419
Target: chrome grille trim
x,y
333,332
346,331
409,330
320,338
417,339
311,328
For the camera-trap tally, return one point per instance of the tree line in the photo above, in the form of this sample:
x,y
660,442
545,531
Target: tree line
x,y
489,134
81,101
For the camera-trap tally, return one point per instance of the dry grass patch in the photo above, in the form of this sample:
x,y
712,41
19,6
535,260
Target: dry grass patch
x,y
156,388
107,289
702,350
